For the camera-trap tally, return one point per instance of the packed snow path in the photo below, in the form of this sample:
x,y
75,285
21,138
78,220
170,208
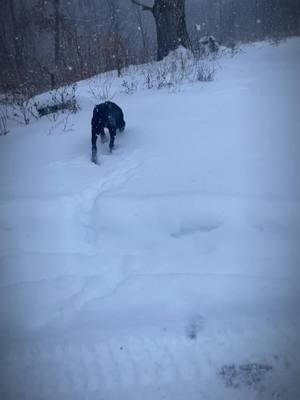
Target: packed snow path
x,y
170,271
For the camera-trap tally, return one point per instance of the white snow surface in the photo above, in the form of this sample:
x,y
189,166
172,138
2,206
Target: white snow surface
x,y
170,270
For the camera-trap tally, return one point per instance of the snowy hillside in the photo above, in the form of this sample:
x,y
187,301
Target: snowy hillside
x,y
171,270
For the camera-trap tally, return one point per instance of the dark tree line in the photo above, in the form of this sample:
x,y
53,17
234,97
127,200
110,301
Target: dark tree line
x,y
233,21
47,43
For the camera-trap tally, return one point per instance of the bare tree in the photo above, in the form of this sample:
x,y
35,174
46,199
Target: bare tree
x,y
56,7
116,41
17,40
146,52
170,23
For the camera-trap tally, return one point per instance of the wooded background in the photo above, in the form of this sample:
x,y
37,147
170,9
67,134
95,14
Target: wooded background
x,y
47,43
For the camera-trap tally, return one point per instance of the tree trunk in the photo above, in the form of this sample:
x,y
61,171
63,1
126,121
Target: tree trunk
x,y
145,55
56,5
117,51
170,23
16,38
170,26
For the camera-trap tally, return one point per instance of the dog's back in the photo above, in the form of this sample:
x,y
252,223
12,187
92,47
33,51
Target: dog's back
x,y
115,113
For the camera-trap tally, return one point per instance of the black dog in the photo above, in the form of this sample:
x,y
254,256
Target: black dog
x,y
106,115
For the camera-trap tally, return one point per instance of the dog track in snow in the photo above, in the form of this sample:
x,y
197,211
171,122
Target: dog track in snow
x,y
196,227
85,201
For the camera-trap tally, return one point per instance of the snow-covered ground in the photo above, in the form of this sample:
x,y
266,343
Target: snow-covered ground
x,y
171,270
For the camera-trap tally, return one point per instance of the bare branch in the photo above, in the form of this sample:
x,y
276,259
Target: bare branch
x,y
144,7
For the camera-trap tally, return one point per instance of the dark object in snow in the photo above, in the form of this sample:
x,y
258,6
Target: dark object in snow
x,y
243,375
70,105
106,115
194,327
209,45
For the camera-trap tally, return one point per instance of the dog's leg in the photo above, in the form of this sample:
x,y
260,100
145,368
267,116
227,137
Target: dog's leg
x,y
94,158
112,133
103,136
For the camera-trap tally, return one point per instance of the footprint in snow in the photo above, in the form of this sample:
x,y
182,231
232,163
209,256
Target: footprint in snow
x,y
194,326
197,227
